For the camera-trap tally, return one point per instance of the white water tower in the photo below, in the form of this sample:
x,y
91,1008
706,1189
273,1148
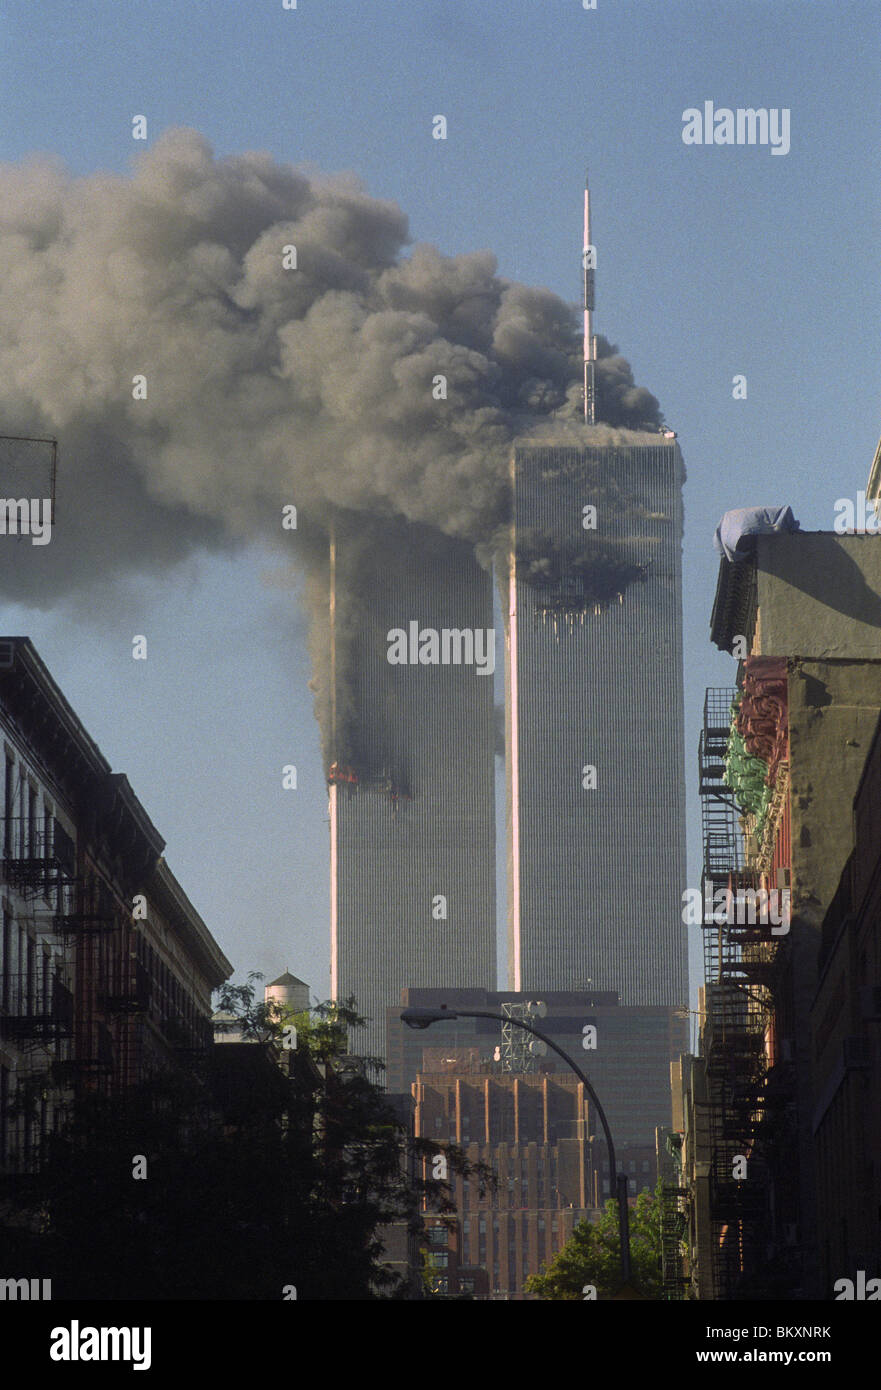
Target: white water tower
x,y
290,993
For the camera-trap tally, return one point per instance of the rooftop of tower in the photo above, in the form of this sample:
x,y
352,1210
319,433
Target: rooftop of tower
x,y
572,434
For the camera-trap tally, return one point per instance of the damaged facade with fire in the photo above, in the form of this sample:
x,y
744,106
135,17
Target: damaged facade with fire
x,y
410,777
593,666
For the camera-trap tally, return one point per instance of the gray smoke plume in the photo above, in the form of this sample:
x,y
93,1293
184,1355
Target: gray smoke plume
x,y
265,385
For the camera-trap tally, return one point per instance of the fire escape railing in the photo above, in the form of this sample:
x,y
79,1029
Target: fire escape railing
x,y
738,948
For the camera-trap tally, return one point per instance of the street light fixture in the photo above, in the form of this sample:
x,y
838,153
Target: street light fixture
x,y
424,1017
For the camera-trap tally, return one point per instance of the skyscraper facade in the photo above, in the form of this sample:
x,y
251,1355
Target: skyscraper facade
x,y
411,772
594,717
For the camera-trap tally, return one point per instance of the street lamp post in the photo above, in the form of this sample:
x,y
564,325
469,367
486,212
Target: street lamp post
x,y
423,1018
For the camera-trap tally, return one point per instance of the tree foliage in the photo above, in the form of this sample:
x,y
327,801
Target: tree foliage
x,y
592,1256
264,1169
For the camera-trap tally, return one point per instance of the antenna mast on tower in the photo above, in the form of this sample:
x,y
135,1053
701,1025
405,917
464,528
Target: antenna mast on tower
x,y
587,259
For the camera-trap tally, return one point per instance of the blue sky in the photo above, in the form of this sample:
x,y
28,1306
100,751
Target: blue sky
x,y
711,262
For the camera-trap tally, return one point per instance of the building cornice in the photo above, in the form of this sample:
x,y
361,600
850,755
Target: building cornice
x,y
111,817
734,607
174,905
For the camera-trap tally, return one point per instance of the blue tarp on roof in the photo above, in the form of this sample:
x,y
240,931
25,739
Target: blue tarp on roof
x,y
737,528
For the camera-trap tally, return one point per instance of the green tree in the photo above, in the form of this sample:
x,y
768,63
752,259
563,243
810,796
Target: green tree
x,y
264,1167
372,1172
592,1256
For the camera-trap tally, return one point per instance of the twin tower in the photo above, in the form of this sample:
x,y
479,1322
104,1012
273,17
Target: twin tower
x,y
591,601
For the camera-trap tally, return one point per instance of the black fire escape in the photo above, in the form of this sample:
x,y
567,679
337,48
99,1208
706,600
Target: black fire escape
x,y
738,961
35,1013
674,1224
39,862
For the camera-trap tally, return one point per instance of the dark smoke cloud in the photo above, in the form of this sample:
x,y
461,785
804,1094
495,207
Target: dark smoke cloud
x,y
599,568
620,402
265,386
596,569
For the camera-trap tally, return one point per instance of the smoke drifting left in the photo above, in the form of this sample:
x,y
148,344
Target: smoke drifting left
x,y
265,385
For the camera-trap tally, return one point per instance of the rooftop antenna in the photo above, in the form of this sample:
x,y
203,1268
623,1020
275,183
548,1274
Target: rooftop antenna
x,y
588,259
8,471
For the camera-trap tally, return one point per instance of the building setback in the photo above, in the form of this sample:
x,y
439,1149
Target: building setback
x,y
411,777
594,718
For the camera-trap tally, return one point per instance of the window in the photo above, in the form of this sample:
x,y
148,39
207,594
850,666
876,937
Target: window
x,y
34,848
4,1111
6,966
31,983
22,803
438,1236
22,983
7,806
49,840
